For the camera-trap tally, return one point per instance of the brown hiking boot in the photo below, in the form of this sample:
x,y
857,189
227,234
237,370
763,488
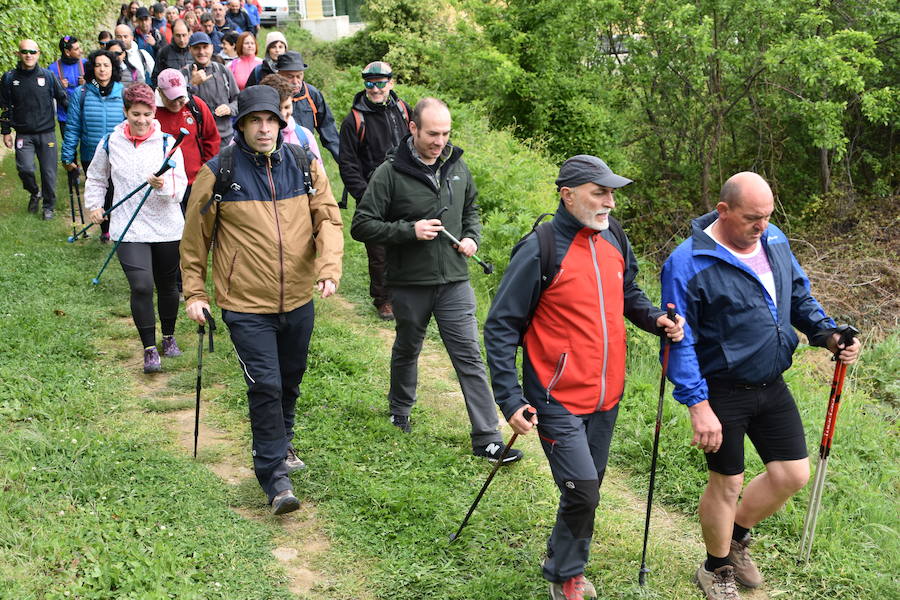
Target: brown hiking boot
x,y
386,312
718,585
576,588
745,571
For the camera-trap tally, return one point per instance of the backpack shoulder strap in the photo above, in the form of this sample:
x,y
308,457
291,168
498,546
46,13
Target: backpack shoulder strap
x,y
224,177
360,120
106,144
547,249
302,160
81,99
404,112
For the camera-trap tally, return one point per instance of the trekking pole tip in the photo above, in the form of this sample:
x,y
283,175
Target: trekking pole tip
x,y
95,281
70,239
488,268
642,576
452,537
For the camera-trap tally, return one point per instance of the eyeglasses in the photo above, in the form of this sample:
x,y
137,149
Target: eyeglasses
x,y
28,51
379,84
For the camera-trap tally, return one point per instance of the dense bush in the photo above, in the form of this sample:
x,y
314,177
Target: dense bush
x,y
678,95
43,20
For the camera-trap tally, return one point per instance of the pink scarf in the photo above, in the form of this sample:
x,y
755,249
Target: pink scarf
x,y
126,131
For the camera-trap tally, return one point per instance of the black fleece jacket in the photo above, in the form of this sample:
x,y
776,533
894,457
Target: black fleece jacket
x,y
384,125
26,100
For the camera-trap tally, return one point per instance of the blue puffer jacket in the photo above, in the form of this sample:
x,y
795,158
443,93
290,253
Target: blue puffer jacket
x,y
734,331
88,121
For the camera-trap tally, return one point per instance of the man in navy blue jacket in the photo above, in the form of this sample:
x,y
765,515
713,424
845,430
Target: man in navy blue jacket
x,y
742,292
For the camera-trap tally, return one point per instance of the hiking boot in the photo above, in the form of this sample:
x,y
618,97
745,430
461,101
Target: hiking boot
x,y
292,461
718,585
745,571
33,203
48,214
152,363
576,588
402,422
285,502
170,347
386,312
493,451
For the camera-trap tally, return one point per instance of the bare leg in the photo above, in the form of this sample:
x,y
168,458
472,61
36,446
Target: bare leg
x,y
769,490
717,511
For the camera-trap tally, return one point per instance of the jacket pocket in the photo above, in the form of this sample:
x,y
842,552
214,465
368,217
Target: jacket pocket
x,y
231,269
558,373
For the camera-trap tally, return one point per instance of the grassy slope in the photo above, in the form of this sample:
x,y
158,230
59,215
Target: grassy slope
x,y
87,516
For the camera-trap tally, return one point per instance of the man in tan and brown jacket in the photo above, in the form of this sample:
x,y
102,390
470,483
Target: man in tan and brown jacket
x,y
277,232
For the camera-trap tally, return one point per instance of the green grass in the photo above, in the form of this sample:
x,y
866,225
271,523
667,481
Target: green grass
x,y
97,502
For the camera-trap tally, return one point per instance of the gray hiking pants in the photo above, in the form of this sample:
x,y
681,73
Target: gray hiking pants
x,y
43,147
577,448
453,307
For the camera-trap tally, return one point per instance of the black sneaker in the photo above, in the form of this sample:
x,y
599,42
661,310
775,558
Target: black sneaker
x,y
494,451
402,422
33,203
48,214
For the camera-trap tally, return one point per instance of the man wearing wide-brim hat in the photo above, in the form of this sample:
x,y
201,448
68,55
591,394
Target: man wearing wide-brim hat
x,y
278,240
310,108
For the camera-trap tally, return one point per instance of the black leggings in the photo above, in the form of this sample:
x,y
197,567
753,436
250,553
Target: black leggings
x,y
146,264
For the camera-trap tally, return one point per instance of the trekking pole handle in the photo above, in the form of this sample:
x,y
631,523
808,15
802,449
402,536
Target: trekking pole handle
x,y
670,312
181,135
169,164
846,333
212,327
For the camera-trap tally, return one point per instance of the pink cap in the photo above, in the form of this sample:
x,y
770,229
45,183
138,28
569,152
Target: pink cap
x,y
171,83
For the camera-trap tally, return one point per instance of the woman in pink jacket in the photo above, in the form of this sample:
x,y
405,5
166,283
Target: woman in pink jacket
x,y
246,61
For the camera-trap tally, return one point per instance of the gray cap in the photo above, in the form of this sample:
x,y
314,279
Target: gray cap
x,y
291,61
584,168
259,98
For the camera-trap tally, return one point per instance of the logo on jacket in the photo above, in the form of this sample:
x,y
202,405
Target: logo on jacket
x,y
41,81
570,485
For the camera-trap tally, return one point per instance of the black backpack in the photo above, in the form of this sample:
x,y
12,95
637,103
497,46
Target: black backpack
x,y
225,178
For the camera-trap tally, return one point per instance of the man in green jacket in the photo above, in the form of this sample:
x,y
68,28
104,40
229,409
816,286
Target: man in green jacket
x,y
423,187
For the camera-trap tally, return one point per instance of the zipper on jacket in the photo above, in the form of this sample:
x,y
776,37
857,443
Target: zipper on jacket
x,y
591,240
557,375
278,231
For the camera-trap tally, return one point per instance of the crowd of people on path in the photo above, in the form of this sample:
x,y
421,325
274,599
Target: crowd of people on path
x,y
177,104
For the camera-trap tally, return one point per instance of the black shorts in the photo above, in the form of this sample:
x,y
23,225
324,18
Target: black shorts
x,y
769,417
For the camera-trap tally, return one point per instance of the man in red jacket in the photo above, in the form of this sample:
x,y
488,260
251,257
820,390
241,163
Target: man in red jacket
x,y
181,109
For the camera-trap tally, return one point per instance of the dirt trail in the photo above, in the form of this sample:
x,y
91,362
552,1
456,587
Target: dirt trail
x,y
301,543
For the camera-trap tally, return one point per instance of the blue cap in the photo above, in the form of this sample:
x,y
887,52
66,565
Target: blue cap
x,y
199,38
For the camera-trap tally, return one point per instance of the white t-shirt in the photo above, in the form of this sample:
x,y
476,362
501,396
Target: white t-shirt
x,y
756,259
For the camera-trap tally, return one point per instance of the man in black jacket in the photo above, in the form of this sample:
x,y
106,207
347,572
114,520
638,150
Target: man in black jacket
x,y
377,121
26,100
310,108
176,55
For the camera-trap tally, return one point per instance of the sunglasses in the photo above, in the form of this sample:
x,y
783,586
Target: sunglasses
x,y
27,51
379,84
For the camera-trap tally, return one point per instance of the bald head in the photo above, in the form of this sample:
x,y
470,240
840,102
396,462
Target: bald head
x,y
124,34
28,54
741,185
745,205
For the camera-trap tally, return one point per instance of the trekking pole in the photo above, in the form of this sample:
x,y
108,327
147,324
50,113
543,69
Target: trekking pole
x,y
642,576
486,267
78,195
847,333
83,232
170,164
72,183
200,331
527,414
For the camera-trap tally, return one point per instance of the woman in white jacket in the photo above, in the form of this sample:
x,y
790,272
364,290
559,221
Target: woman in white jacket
x,y
148,251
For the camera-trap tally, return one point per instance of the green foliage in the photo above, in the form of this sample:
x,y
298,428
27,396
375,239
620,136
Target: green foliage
x,y
42,21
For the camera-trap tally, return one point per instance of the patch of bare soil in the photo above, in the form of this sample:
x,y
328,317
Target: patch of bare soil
x,y
300,540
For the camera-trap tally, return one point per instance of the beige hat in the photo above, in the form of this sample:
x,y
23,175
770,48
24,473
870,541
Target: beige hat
x,y
275,36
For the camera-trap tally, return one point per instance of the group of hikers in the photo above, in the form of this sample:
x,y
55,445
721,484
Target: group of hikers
x,y
247,183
